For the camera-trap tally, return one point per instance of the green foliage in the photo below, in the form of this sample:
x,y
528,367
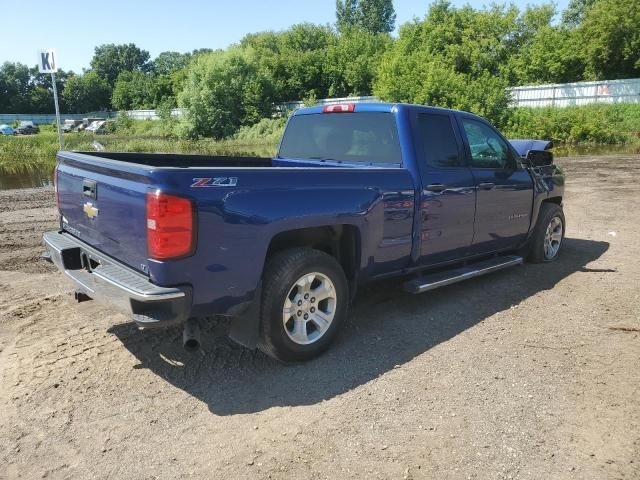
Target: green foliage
x,y
132,91
373,16
292,60
267,129
223,91
25,90
38,152
86,93
14,87
168,62
610,39
575,11
454,58
123,122
584,124
552,55
352,62
111,60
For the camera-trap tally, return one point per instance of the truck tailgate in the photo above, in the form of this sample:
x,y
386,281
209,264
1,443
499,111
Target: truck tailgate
x,y
105,206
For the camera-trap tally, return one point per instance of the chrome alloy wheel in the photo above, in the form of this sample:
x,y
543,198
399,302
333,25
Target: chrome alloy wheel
x,y
553,238
309,308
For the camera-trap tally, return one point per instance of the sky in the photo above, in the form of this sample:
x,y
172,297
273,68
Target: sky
x,y
74,29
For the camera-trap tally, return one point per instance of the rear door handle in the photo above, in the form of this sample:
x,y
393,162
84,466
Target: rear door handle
x,y
486,186
436,187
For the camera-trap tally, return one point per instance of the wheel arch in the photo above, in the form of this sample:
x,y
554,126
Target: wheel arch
x,y
557,200
341,241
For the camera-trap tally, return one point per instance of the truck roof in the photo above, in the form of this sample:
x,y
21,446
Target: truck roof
x,y
371,107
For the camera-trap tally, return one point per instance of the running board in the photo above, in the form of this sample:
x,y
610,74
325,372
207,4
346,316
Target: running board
x,y
435,280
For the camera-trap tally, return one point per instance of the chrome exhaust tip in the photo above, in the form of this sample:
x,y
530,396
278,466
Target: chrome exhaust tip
x,y
191,336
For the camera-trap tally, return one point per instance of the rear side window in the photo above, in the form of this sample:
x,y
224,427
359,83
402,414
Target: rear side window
x,y
367,137
438,139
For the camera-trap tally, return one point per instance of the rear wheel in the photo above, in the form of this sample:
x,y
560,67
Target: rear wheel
x,y
304,301
548,235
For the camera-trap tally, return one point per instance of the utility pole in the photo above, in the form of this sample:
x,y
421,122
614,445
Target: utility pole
x,y
55,100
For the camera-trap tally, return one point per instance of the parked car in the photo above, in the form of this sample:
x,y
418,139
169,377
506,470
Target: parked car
x,y
97,126
356,193
70,125
27,128
6,130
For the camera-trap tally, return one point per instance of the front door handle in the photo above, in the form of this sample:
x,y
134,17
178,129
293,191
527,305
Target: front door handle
x,y
436,187
486,186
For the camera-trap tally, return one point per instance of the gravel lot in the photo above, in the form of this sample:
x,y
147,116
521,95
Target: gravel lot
x,y
529,373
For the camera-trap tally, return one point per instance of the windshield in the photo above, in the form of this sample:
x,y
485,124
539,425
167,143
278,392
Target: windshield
x,y
367,137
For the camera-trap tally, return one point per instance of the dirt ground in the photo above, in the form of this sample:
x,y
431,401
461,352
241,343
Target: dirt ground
x,y
530,373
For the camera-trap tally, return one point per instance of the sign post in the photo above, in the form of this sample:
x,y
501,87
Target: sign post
x,y
47,64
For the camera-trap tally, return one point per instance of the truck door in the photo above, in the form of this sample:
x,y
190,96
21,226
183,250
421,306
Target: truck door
x,y
447,203
504,190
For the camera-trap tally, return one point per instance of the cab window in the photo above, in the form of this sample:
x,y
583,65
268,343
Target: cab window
x,y
488,149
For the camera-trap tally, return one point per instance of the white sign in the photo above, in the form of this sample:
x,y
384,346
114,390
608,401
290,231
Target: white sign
x,y
47,61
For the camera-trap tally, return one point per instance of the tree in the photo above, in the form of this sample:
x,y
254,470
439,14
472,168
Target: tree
x,y
610,40
575,12
86,93
223,91
544,52
374,16
346,14
41,96
168,62
110,60
15,88
456,58
133,90
352,62
293,60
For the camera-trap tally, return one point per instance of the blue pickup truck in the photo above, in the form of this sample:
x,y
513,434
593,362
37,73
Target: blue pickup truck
x,y
356,193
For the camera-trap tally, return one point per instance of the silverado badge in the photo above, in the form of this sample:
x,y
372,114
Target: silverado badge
x,y
90,210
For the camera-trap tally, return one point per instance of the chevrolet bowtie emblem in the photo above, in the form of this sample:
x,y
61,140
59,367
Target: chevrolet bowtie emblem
x,y
90,210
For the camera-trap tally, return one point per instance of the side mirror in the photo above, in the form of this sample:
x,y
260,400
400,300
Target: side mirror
x,y
539,158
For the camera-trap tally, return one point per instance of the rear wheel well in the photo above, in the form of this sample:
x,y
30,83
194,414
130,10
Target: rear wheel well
x,y
339,241
556,200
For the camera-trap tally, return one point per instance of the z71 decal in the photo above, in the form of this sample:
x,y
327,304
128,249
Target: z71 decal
x,y
214,182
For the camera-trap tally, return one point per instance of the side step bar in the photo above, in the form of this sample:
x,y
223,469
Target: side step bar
x,y
435,280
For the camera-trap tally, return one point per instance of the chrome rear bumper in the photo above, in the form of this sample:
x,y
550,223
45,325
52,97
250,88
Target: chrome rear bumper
x,y
107,281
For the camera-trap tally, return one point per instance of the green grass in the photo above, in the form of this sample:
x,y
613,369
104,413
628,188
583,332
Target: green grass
x,y
28,153
589,124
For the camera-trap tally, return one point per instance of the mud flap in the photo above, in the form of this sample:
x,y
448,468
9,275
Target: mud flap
x,y
245,327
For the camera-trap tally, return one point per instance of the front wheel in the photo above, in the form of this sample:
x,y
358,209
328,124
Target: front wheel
x,y
546,241
304,300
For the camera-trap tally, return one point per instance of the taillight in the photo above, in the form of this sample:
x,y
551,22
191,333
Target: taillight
x,y
55,187
340,108
169,226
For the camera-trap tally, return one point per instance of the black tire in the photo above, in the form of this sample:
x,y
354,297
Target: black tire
x,y
536,245
281,272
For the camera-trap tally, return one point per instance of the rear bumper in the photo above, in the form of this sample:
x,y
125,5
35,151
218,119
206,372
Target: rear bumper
x,y
109,282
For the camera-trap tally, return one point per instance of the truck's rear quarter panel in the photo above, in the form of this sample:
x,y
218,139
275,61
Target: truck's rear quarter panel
x,y
236,224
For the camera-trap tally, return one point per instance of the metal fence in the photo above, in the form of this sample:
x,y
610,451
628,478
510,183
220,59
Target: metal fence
x,y
39,119
578,93
42,118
